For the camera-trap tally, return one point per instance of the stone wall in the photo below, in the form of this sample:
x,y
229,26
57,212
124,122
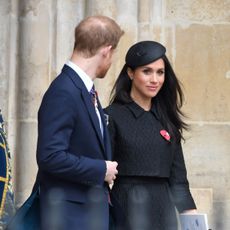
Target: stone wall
x,y
36,39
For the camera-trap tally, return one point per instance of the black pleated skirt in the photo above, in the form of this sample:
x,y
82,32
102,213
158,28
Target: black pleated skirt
x,y
145,203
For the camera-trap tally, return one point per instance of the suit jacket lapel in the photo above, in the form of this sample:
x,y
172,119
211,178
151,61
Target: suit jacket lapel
x,y
87,100
93,115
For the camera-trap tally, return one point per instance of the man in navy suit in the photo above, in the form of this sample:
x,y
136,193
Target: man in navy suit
x,y
73,150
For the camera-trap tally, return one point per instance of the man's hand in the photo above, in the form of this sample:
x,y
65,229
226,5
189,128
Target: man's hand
x,y
111,171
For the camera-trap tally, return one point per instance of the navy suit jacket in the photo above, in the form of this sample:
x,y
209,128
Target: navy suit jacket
x,y
71,151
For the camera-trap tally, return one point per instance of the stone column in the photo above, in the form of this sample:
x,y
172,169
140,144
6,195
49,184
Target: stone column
x,y
4,57
69,14
35,49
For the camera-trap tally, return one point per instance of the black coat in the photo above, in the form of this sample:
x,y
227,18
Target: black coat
x,y
141,150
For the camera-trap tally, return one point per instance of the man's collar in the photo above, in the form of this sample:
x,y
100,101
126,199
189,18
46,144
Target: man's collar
x,y
84,77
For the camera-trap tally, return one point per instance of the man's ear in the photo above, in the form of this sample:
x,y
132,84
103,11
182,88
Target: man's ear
x,y
106,50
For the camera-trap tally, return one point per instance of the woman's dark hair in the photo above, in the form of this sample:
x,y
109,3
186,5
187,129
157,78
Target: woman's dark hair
x,y
168,101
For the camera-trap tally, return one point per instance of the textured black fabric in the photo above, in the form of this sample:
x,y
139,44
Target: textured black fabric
x,y
136,139
141,151
146,203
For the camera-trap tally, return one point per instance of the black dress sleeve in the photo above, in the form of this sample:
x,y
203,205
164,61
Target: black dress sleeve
x,y
179,183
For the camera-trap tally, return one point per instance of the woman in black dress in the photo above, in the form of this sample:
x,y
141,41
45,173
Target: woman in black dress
x,y
146,123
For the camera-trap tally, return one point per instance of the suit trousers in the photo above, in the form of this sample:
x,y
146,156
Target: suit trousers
x,y
59,213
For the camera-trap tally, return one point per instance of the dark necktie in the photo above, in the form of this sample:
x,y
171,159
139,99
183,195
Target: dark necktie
x,y
93,95
94,98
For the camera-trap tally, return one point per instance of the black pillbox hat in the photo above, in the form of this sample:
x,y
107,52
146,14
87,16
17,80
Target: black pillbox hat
x,y
143,53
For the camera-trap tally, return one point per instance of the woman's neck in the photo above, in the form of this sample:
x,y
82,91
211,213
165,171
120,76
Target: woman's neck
x,y
144,103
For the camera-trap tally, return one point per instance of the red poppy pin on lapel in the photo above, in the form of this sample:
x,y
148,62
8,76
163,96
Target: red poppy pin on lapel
x,y
165,134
